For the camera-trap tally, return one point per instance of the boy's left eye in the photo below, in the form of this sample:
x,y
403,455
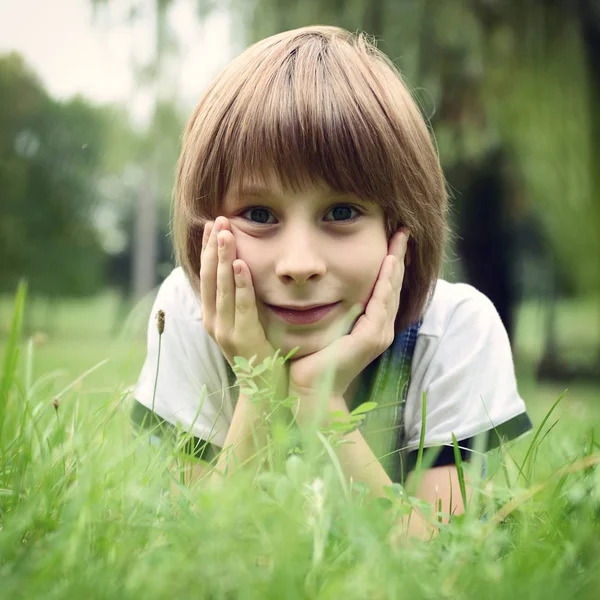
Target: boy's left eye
x,y
258,214
344,212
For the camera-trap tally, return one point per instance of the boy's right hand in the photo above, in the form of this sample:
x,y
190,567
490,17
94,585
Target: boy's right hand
x,y
228,301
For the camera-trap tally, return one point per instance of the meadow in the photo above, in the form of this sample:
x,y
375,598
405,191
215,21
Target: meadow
x,y
90,510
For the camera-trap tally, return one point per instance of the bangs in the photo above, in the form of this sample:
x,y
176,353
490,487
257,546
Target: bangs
x,y
308,115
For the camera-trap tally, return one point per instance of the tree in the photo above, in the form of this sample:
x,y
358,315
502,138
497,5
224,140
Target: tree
x,y
158,155
50,154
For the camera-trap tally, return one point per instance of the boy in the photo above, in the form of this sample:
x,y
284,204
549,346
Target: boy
x,y
308,185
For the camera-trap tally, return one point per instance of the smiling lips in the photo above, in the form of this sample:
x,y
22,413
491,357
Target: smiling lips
x,y
305,316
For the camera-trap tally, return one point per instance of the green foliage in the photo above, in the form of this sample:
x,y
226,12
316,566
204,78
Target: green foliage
x,y
258,383
49,157
547,119
266,373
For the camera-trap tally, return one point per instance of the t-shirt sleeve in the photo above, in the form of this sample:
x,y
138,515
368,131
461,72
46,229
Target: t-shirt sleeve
x,y
469,381
193,388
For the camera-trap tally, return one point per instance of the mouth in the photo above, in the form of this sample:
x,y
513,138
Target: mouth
x,y
302,315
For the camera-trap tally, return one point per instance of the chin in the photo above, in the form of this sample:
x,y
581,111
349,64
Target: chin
x,y
306,342
305,346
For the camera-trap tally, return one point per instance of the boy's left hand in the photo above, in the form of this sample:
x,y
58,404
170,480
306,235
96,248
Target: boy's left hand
x,y
371,335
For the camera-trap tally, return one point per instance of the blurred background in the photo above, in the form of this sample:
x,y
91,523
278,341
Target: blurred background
x,y
94,95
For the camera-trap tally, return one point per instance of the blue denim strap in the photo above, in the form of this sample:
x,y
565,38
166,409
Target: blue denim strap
x,y
387,382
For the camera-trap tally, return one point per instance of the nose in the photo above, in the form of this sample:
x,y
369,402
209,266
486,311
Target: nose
x,y
299,259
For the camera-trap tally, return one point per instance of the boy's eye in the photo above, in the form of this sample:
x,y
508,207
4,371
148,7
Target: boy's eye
x,y
340,213
258,214
344,212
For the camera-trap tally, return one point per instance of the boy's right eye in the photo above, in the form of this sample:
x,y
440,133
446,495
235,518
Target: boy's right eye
x,y
259,215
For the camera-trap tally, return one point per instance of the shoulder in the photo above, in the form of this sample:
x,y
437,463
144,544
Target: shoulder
x,y
463,363
457,306
177,297
460,327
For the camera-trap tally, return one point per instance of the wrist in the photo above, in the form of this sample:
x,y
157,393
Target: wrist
x,y
265,377
316,408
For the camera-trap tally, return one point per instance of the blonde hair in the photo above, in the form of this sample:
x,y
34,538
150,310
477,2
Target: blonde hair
x,y
311,105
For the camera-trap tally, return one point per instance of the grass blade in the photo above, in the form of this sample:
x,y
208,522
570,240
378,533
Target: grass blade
x,y
422,436
538,432
460,470
11,357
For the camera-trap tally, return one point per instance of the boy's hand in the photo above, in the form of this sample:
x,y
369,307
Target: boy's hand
x,y
228,302
371,335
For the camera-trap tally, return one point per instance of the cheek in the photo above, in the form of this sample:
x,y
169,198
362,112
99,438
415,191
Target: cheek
x,y
254,254
362,265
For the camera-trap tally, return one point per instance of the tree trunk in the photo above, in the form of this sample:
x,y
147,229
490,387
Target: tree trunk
x,y
486,242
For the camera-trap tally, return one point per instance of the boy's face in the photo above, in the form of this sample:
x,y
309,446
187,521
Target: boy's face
x,y
313,248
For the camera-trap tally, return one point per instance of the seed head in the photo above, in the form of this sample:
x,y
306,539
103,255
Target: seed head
x,y
160,321
56,402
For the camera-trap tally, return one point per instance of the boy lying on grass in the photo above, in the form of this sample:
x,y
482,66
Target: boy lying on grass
x,y
308,185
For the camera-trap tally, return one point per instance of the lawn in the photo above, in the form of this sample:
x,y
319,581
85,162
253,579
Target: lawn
x,y
89,511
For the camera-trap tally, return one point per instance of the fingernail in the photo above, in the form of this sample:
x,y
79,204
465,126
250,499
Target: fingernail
x,y
221,241
217,226
237,274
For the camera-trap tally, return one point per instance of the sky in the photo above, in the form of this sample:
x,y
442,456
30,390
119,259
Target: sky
x,y
73,52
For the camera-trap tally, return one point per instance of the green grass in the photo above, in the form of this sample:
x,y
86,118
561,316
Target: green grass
x,y
71,336
87,510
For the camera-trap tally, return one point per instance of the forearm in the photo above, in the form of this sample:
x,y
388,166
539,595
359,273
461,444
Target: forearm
x,y
244,444
357,460
360,464
440,488
246,439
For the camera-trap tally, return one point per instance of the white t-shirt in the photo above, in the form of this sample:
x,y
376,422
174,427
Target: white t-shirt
x,y
462,360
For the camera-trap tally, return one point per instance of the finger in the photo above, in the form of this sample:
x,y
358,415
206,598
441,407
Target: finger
x,y
399,244
208,277
246,312
376,313
397,276
225,297
397,283
404,256
381,301
398,247
208,227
